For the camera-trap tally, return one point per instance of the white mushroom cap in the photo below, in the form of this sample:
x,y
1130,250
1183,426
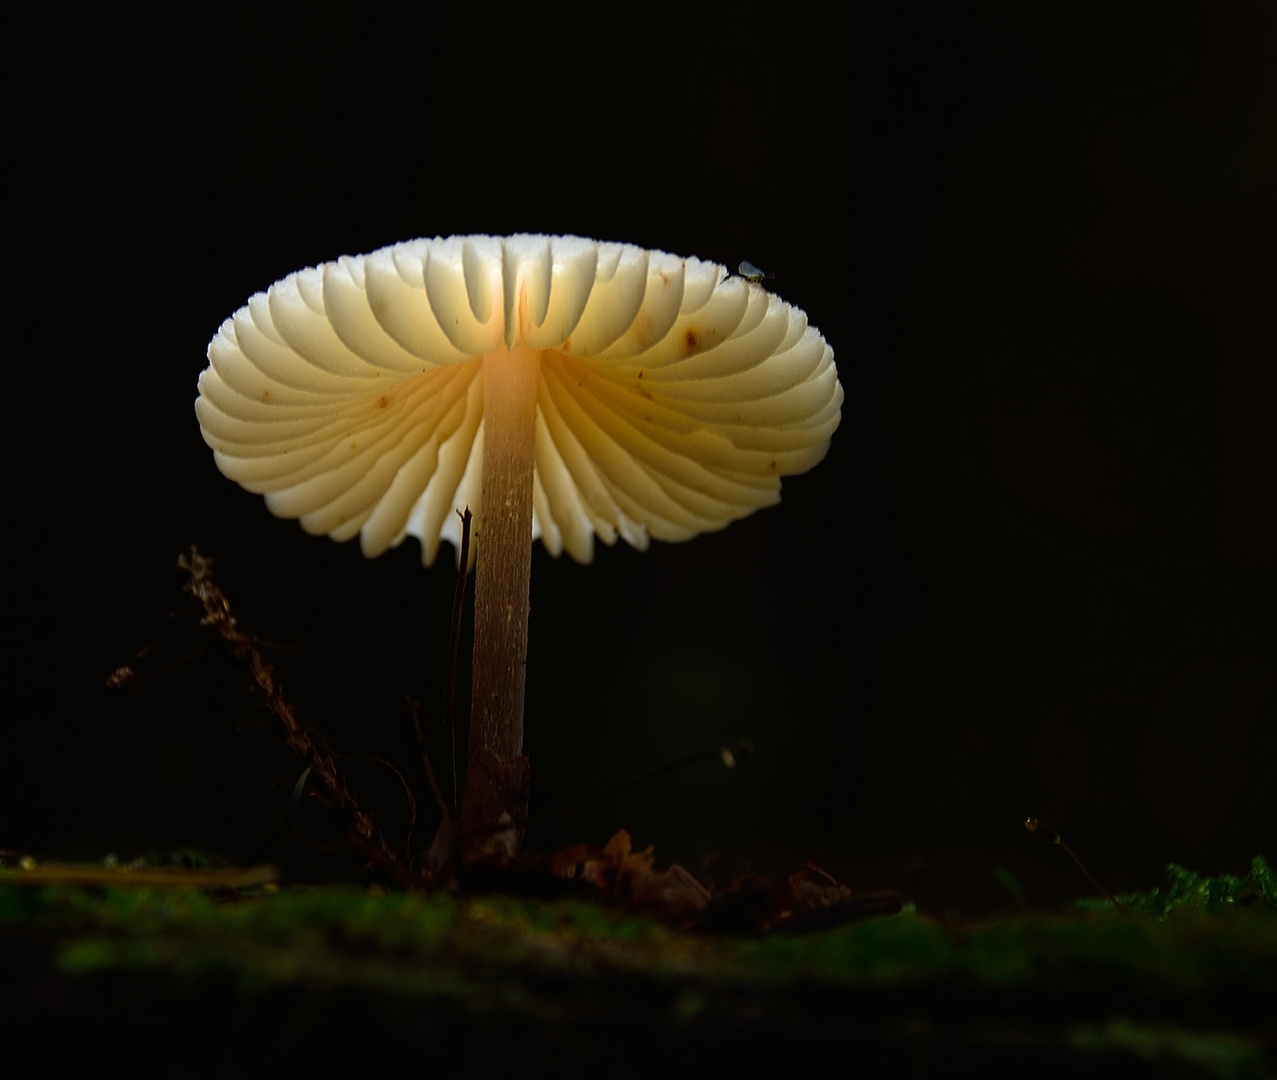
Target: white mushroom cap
x,y
672,397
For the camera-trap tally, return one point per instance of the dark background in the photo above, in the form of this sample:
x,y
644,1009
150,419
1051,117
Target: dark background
x,y
1035,574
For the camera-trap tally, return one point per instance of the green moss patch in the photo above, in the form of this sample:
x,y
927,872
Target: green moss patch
x,y
1187,981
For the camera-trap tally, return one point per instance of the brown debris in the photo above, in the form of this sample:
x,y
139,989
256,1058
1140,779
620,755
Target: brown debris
x,y
626,877
809,899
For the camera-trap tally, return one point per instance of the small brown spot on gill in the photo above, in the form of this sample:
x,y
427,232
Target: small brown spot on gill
x,y
640,374
265,394
691,339
772,465
383,401
645,394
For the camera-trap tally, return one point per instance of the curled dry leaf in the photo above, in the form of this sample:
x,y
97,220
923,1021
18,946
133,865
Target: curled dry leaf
x,y
809,899
625,876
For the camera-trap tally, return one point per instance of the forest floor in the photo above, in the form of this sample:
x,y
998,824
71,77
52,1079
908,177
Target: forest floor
x,y
165,979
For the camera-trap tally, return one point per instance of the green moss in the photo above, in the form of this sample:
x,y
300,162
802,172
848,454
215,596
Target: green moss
x,y
1192,981
320,928
1186,889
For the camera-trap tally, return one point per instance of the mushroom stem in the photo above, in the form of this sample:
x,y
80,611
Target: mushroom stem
x,y
504,534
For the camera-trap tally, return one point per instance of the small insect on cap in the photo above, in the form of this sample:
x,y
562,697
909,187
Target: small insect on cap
x,y
670,397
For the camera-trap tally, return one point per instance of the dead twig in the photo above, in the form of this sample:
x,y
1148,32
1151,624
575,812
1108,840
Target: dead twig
x,y
305,742
454,649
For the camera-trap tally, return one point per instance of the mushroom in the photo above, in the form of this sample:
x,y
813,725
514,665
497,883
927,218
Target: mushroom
x,y
558,387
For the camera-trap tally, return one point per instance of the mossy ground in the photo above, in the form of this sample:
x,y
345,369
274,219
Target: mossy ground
x,y
1182,983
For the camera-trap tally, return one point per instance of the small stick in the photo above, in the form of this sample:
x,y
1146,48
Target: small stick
x,y
294,800
729,756
1041,828
440,801
454,649
150,877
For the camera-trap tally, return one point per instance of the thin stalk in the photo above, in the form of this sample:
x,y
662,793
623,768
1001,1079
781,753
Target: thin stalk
x,y
504,539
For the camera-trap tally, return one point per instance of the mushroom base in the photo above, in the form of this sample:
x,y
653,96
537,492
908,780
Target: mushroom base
x,y
494,811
